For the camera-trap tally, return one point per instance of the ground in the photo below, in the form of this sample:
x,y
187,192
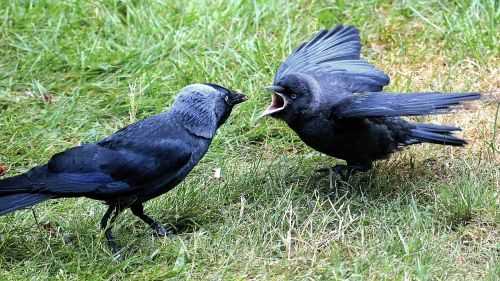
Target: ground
x,y
74,72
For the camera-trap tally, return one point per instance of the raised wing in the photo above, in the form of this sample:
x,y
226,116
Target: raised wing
x,y
389,105
333,57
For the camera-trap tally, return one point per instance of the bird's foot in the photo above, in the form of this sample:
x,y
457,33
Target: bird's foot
x,y
117,257
107,218
338,170
161,231
332,183
343,171
346,171
322,173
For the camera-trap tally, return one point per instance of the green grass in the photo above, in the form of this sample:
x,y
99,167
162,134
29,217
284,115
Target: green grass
x,y
430,212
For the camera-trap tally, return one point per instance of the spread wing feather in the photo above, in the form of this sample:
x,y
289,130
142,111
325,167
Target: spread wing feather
x,y
333,58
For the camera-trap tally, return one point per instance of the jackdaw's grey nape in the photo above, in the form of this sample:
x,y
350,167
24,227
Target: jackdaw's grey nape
x,y
135,164
332,99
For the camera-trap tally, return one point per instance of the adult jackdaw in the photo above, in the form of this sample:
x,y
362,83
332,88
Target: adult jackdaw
x,y
132,166
332,99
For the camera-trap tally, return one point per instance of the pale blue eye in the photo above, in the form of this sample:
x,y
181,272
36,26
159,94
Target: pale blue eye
x,y
294,96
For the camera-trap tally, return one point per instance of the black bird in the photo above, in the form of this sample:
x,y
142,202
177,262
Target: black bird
x,y
132,166
332,99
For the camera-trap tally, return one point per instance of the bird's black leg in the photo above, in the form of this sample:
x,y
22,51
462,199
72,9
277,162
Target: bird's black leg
x,y
107,218
345,171
138,210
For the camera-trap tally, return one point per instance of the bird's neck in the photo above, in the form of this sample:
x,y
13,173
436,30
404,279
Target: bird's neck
x,y
196,121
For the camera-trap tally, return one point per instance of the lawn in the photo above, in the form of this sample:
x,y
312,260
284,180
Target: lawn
x,y
429,212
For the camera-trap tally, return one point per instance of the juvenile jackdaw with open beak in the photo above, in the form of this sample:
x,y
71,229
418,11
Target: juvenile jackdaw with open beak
x,y
137,163
332,99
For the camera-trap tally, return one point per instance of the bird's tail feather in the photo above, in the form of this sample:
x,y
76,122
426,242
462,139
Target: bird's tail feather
x,y
13,202
17,192
433,133
24,182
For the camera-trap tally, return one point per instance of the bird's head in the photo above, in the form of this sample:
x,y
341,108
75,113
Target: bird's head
x,y
225,101
293,95
203,108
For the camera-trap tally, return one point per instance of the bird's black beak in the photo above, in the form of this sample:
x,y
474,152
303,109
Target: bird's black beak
x,y
278,103
236,98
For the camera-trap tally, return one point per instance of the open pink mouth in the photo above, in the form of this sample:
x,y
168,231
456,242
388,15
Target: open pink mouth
x,y
277,104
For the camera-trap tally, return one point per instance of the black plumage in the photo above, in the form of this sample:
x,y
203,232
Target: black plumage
x,y
332,99
132,166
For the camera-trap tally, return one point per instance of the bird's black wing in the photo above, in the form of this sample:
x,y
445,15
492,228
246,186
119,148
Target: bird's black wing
x,y
106,169
332,57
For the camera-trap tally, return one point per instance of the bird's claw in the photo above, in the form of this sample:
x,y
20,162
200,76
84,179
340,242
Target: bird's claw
x,y
338,170
117,257
161,231
342,173
323,171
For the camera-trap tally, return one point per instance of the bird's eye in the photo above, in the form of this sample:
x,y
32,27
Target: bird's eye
x,y
226,98
293,96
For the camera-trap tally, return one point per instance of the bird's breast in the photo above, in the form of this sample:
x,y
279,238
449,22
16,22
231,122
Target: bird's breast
x,y
356,140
